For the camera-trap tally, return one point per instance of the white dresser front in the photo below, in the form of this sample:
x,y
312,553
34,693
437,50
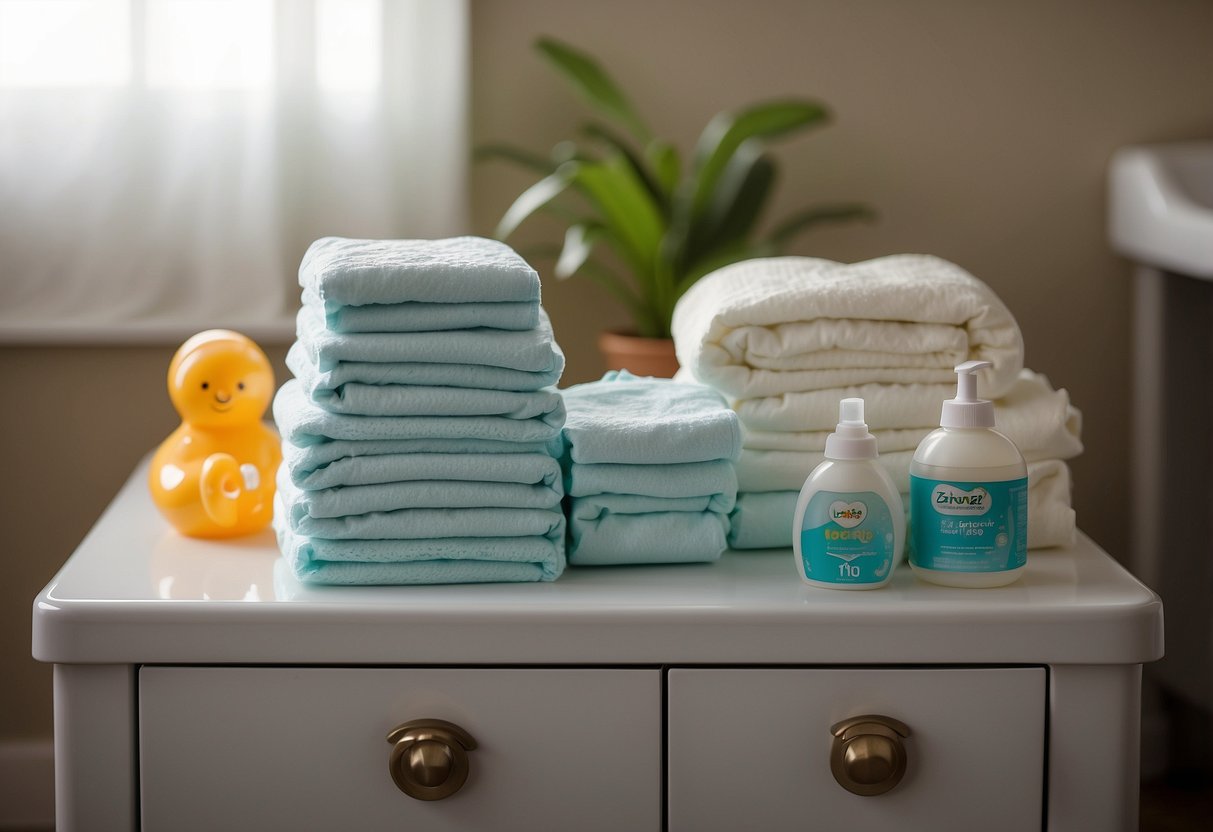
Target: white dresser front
x,y
199,685
246,748
750,748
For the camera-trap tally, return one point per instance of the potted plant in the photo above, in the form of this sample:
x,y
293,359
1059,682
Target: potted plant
x,y
622,190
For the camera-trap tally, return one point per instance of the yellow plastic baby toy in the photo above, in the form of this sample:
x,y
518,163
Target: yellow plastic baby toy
x,y
214,475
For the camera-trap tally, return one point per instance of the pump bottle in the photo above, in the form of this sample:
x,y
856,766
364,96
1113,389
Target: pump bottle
x,y
968,496
849,527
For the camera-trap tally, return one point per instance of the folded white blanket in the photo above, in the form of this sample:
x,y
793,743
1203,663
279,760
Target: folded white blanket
x,y
1038,419
790,324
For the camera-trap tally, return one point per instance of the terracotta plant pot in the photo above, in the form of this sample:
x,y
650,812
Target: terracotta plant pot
x,y
641,356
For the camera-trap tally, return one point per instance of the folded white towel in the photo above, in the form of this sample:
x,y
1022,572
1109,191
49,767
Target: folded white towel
x,y
1038,419
790,324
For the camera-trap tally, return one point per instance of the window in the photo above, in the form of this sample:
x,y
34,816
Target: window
x,y
164,163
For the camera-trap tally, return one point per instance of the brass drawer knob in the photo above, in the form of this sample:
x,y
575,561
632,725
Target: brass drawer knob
x,y
429,758
868,757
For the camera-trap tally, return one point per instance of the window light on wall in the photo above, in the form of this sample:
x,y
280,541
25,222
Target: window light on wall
x,y
209,44
164,163
348,45
182,44
64,43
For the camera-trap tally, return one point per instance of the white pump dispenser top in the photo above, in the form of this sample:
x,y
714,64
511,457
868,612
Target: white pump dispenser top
x,y
966,410
851,439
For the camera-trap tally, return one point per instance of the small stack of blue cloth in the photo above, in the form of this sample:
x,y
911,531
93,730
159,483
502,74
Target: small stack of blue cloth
x,y
421,432
648,468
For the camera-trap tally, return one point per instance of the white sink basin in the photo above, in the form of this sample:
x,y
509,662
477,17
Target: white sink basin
x,y
1161,206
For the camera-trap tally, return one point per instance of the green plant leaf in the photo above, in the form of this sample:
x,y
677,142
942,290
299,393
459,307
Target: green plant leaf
x,y
736,204
534,198
750,197
666,163
590,79
728,131
567,151
510,153
578,245
601,275
616,142
803,220
631,221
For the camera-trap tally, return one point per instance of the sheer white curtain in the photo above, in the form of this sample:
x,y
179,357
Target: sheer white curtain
x,y
164,163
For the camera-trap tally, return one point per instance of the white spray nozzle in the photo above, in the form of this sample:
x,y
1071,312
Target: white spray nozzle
x,y
851,439
850,412
966,410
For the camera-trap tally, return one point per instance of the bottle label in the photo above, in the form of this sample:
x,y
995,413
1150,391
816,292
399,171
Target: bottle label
x,y
847,538
968,526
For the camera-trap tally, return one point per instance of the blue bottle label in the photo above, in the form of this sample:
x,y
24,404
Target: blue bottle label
x,y
968,526
847,538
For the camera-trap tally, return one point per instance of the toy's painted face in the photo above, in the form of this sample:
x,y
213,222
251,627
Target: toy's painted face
x,y
222,383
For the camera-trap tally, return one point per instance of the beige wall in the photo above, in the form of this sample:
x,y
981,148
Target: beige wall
x,y
981,132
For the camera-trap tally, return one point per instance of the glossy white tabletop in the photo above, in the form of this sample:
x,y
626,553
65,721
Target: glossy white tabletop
x,y
137,592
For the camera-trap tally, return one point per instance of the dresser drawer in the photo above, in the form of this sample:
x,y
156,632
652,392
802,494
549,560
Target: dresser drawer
x,y
306,748
751,748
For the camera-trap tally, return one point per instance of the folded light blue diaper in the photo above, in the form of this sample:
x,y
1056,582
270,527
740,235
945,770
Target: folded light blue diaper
x,y
394,496
425,374
453,560
457,270
423,400
422,523
763,520
648,421
302,422
530,351
525,469
423,317
303,460
416,400
665,537
715,479
420,373
597,505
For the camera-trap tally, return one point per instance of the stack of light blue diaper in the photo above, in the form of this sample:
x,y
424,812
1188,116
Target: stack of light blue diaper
x,y
422,429
648,467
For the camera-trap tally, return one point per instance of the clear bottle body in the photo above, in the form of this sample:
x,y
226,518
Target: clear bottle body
x,y
955,465
849,526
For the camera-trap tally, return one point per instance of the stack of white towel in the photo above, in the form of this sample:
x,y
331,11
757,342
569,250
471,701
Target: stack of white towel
x,y
786,338
421,432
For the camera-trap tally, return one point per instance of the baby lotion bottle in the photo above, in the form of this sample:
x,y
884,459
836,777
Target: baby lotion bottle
x,y
849,526
968,496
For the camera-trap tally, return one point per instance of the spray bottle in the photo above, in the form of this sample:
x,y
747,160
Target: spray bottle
x,y
849,527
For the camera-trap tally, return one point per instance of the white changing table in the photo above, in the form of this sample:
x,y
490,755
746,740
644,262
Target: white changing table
x,y
199,686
